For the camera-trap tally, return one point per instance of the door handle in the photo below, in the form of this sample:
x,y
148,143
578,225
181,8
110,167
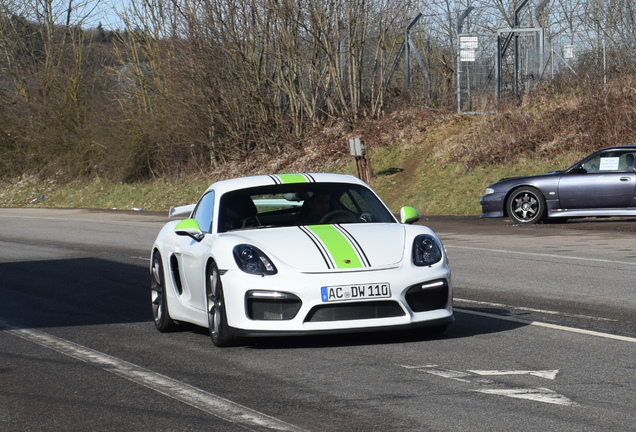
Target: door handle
x,y
626,178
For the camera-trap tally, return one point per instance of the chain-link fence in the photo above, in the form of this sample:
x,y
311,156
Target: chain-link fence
x,y
477,73
540,42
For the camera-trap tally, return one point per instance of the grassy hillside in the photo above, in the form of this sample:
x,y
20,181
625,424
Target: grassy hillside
x,y
439,163
402,176
415,171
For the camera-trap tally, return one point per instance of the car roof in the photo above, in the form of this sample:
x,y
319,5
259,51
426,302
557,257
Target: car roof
x,y
619,147
229,185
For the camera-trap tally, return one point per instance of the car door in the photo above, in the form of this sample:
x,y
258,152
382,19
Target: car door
x,y
603,181
193,255
188,253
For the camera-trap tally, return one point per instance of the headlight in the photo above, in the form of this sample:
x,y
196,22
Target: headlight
x,y
489,191
426,250
253,261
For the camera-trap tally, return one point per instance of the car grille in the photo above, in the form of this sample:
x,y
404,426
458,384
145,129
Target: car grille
x,y
355,311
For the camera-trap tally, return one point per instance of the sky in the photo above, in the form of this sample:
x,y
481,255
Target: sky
x,y
85,13
106,12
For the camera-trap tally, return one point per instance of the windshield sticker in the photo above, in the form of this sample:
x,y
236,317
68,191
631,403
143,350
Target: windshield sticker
x,y
609,164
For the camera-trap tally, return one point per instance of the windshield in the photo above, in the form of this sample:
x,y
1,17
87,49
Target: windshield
x,y
300,204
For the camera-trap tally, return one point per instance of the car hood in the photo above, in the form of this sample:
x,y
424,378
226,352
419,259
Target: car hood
x,y
549,174
340,247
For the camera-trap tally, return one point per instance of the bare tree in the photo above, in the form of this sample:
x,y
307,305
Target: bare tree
x,y
47,57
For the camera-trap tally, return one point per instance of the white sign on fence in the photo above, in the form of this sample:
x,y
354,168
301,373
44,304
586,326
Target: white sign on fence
x,y
467,48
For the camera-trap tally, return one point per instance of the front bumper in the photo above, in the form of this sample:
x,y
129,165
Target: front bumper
x,y
430,306
492,205
264,333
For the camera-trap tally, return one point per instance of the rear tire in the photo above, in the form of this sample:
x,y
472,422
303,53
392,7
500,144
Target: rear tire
x,y
217,318
526,205
160,311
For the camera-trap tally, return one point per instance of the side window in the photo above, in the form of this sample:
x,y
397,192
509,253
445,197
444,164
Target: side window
x,y
628,163
204,212
592,165
610,162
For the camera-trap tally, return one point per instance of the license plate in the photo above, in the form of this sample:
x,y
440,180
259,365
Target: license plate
x,y
355,292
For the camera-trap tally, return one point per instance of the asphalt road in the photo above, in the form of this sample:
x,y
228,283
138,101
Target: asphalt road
x,y
544,339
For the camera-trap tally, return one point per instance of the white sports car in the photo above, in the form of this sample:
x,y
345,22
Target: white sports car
x,y
296,254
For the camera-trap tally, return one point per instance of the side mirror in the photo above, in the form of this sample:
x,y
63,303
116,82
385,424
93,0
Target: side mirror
x,y
579,170
190,228
408,215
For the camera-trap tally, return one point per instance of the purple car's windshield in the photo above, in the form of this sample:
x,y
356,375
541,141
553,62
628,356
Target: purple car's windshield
x,y
300,204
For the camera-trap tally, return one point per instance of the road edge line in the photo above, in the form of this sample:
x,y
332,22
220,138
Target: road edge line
x,y
188,394
548,325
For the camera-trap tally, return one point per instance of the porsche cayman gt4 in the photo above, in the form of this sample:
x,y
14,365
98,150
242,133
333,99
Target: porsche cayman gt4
x,y
297,254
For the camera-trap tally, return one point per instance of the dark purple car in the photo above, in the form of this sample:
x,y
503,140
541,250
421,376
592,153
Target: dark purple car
x,y
602,184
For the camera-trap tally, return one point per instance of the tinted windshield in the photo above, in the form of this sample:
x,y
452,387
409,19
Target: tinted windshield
x,y
300,204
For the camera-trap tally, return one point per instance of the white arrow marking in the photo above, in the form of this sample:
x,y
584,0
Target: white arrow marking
x,y
547,374
446,373
419,367
535,394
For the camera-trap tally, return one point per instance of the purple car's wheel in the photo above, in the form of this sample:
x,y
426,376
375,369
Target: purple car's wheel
x,y
160,313
217,319
526,205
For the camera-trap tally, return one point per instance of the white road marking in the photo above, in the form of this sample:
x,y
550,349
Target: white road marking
x,y
447,373
542,255
547,374
547,325
526,309
418,367
190,395
536,394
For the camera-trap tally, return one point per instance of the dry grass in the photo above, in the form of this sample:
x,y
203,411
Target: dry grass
x,y
548,126
437,162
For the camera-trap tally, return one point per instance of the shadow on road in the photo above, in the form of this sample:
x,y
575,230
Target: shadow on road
x,y
85,292
464,326
73,292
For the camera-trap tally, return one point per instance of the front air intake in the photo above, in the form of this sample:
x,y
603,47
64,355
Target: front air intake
x,y
355,311
271,306
428,296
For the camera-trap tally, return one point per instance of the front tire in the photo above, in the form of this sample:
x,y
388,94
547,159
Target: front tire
x,y
526,205
160,312
217,318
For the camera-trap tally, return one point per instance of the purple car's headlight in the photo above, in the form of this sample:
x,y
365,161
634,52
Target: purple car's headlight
x,y
426,250
252,260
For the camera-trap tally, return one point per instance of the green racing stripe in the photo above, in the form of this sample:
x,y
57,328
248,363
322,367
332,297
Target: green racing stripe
x,y
339,247
292,178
